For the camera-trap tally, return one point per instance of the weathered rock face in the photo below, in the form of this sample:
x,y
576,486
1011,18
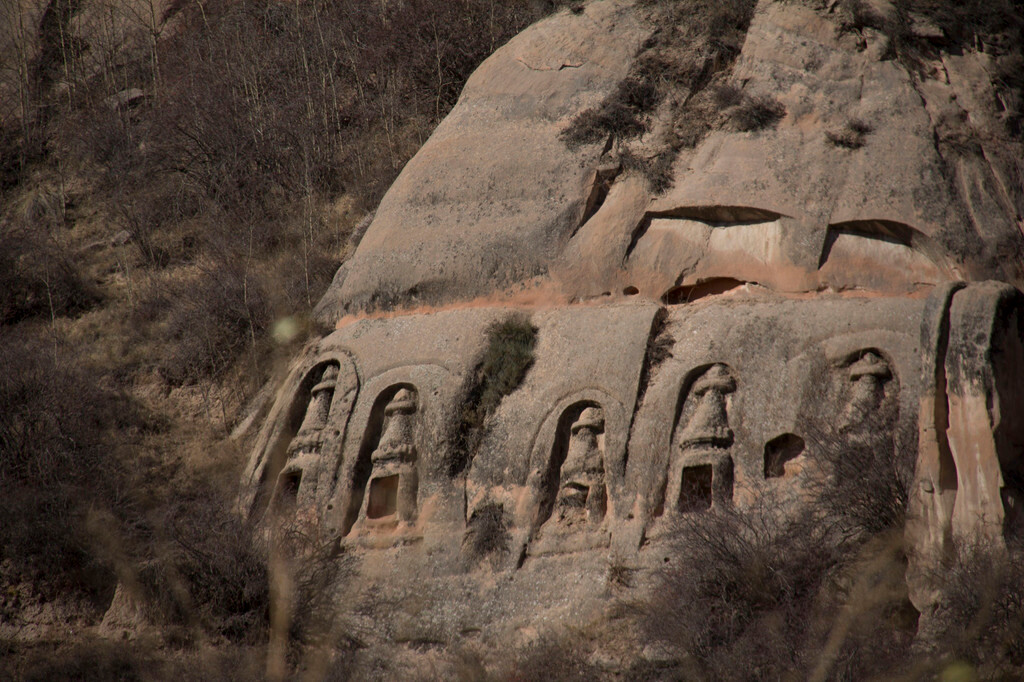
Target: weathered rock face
x,y
494,198
784,300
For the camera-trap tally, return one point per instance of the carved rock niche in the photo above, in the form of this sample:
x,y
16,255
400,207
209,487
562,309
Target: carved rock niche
x,y
870,394
296,483
389,498
574,498
581,497
701,466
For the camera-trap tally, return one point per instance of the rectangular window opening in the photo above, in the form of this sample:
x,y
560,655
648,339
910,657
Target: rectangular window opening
x,y
383,497
695,492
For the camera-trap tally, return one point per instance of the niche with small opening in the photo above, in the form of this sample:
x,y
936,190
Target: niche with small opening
x,y
288,490
695,492
383,497
779,451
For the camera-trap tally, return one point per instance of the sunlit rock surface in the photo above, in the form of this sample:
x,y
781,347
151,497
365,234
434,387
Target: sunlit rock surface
x,y
785,299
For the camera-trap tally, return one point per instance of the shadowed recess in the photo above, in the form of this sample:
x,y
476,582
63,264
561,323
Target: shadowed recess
x,y
780,450
691,292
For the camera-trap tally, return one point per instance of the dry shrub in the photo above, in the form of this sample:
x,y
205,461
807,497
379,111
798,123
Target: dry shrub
x,y
791,587
555,658
856,15
739,590
207,322
316,566
765,593
207,570
487,533
505,362
851,136
656,170
981,614
756,112
58,458
619,114
508,357
38,278
96,660
103,660
694,43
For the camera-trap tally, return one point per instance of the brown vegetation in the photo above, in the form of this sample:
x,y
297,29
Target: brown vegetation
x,y
505,362
172,186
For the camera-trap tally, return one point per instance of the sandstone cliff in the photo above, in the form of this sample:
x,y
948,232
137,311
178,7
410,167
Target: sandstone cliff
x,y
739,310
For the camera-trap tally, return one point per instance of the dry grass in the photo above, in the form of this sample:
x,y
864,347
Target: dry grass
x,y
851,136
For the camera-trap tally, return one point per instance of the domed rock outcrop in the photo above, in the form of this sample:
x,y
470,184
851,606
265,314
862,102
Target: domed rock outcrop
x,y
817,286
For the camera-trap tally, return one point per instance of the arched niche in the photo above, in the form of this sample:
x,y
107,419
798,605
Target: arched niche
x,y
576,473
700,470
385,480
306,423
368,426
869,392
550,447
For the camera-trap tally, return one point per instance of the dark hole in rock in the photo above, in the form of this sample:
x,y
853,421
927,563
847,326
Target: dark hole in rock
x,y
630,291
711,287
288,489
575,495
695,492
780,450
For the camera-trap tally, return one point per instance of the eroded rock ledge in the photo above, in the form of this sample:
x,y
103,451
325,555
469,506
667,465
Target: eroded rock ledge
x,y
495,198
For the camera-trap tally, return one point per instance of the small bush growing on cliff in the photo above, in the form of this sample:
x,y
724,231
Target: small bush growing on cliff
x,y
851,136
509,355
619,114
693,47
756,112
487,533
981,614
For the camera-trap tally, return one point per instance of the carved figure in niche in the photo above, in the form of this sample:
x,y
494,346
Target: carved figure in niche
x,y
868,374
392,486
297,481
567,501
582,498
702,475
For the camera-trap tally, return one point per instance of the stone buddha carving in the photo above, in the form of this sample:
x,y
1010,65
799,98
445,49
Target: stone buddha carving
x,y
309,437
868,374
703,473
393,483
297,481
582,498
